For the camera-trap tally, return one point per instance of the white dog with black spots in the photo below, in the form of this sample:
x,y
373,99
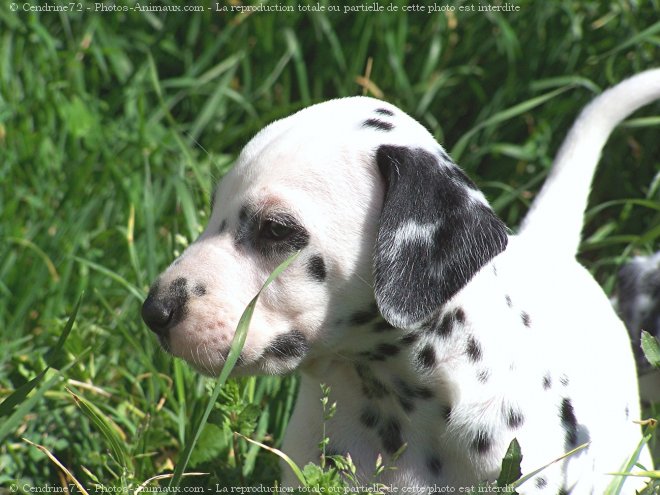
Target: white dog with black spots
x,y
441,335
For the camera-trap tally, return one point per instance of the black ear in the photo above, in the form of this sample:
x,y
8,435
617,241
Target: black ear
x,y
436,231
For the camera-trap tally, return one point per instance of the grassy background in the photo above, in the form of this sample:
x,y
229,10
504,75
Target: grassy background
x,y
114,126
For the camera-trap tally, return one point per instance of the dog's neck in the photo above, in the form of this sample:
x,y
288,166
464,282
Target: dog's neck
x,y
390,379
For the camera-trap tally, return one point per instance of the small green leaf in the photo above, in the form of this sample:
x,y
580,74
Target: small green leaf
x,y
510,465
651,348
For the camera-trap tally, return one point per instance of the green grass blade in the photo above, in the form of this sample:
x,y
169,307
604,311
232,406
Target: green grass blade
x,y
504,115
9,425
529,476
616,485
107,428
19,395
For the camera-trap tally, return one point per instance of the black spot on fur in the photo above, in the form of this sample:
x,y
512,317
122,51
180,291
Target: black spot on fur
x,y
547,381
387,350
411,338
287,345
390,435
378,124
563,379
385,111
365,316
527,321
369,417
445,325
382,352
483,376
371,386
473,350
509,303
446,413
382,326
223,227
434,465
627,411
514,418
540,482
482,442
413,392
199,290
426,356
316,268
569,422
406,404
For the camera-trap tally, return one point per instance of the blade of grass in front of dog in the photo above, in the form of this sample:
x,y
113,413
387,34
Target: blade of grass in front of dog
x,y
232,358
296,470
614,488
529,476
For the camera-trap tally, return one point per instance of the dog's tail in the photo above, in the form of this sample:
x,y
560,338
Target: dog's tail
x,y
556,216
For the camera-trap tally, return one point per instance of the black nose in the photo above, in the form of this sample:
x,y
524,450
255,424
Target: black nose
x,y
158,314
165,306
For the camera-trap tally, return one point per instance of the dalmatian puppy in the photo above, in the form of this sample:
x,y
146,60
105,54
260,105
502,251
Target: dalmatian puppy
x,y
441,335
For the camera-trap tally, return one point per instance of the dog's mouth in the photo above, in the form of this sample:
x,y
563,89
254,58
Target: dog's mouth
x,y
282,355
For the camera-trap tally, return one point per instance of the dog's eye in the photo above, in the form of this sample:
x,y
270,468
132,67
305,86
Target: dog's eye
x,y
275,231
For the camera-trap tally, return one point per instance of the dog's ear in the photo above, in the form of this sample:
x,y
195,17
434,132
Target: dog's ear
x,y
436,231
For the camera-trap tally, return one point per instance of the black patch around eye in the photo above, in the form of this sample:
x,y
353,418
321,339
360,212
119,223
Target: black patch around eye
x,y
316,268
199,290
378,124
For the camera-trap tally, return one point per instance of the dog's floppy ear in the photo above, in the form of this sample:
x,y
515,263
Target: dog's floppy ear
x,y
436,231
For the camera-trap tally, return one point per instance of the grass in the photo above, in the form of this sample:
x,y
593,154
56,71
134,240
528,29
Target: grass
x,y
115,126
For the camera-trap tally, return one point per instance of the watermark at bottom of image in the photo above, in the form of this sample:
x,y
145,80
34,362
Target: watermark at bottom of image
x,y
379,489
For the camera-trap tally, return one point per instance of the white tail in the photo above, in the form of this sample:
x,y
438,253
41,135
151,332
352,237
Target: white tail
x,y
556,215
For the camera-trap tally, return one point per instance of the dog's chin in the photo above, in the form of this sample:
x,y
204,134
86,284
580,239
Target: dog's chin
x,y
261,366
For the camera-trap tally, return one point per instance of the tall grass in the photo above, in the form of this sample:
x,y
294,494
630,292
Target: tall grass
x,y
115,126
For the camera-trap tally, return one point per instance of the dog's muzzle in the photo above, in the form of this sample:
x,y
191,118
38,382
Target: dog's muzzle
x,y
162,310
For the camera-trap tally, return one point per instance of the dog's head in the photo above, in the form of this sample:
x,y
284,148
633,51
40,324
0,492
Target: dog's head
x,y
381,217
